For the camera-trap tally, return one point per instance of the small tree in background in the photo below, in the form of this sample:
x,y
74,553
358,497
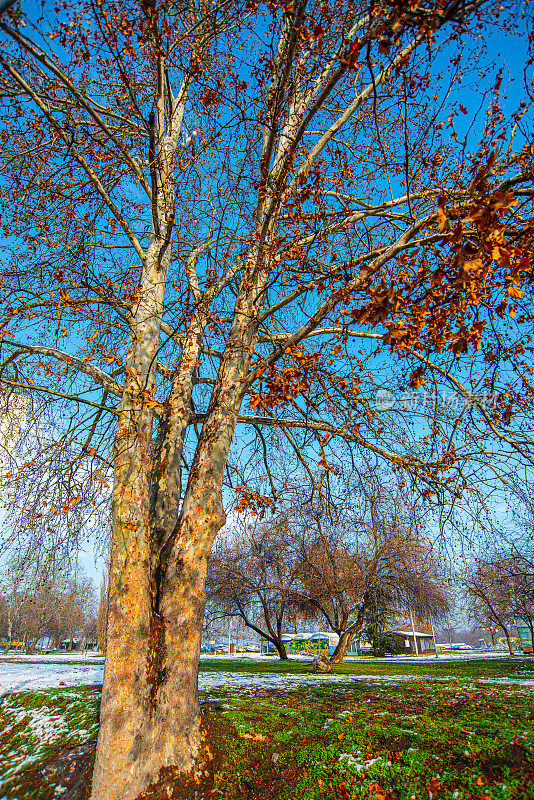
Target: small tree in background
x,y
102,614
29,580
379,618
254,573
365,557
519,570
489,592
42,599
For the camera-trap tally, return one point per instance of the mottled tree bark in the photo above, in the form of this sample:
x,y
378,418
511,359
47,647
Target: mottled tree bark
x,y
150,714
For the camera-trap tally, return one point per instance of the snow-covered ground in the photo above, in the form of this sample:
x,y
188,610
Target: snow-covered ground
x,y
94,658
54,658
39,675
70,669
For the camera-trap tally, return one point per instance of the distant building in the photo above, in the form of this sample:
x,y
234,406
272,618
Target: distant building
x,y
405,643
326,642
78,644
308,643
525,635
414,643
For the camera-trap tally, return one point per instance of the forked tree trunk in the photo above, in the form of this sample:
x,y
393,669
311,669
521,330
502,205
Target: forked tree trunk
x,y
346,637
150,714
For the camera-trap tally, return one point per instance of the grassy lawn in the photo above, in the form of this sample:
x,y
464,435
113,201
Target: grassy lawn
x,y
417,739
506,667
401,740
35,728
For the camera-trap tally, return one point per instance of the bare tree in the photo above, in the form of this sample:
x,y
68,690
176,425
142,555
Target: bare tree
x,y
490,594
77,600
519,570
337,563
253,573
43,598
349,575
103,614
27,581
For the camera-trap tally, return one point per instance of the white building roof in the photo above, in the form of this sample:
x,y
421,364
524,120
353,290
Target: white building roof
x,y
303,637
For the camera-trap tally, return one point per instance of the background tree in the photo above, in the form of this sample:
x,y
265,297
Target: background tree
x,y
518,569
365,559
490,592
27,579
253,574
43,599
102,614
77,606
379,621
167,284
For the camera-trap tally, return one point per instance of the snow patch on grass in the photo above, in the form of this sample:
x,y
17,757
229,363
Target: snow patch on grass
x,y
33,724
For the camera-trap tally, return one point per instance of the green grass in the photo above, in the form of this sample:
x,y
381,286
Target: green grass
x,y
400,740
506,667
455,737
34,726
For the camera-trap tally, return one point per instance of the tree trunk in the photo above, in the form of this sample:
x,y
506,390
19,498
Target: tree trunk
x,y
343,645
508,640
346,636
282,651
7,648
150,714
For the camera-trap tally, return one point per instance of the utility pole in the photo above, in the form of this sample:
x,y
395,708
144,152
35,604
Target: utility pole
x,y
433,636
416,648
